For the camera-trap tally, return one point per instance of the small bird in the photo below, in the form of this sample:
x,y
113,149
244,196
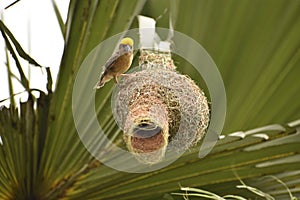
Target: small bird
x,y
118,63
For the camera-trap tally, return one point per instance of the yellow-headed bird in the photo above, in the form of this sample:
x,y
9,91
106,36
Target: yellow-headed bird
x,y
118,63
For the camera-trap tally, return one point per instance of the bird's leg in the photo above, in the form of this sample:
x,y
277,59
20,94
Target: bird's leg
x,y
116,79
120,75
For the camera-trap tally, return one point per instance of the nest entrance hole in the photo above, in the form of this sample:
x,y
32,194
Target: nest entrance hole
x,y
146,129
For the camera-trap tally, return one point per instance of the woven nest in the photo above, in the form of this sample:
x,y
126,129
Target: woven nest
x,y
159,110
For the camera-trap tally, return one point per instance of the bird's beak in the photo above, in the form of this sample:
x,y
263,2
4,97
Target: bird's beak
x,y
127,48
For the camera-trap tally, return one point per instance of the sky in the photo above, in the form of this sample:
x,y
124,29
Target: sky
x,y
34,25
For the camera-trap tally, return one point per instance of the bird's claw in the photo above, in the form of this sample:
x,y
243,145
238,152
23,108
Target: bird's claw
x,y
124,75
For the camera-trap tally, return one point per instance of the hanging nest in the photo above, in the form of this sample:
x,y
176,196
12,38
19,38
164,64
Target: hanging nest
x,y
159,109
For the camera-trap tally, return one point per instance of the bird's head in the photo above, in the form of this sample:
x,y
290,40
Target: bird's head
x,y
126,45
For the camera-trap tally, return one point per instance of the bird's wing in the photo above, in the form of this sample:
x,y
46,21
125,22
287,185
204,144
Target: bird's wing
x,y
111,60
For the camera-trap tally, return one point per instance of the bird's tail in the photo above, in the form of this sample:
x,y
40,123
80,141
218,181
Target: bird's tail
x,y
101,82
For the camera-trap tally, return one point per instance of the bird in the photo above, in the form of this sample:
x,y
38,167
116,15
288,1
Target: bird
x,y
118,63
